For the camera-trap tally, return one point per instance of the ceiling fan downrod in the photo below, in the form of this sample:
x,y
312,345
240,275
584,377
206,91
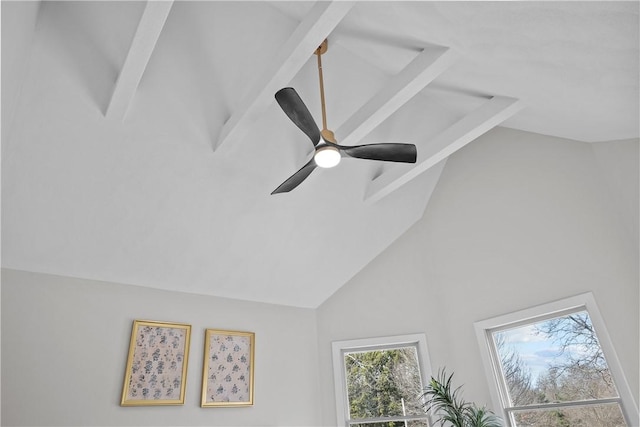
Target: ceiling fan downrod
x,y
327,135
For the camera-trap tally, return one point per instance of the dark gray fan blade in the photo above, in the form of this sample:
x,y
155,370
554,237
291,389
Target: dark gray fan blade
x,y
297,178
405,153
292,105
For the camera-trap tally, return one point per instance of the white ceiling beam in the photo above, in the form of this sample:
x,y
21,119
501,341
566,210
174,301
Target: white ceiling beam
x,y
144,41
430,152
297,50
428,65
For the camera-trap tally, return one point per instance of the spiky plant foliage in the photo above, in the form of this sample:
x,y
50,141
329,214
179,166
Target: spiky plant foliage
x,y
482,417
449,408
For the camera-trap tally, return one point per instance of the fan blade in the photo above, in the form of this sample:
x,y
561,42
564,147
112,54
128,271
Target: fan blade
x,y
405,153
292,105
297,178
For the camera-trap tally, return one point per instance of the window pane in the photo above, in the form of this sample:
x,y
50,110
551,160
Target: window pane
x,y
382,383
586,416
412,423
556,360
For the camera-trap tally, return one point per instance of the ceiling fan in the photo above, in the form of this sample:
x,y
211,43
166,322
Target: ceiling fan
x,y
327,152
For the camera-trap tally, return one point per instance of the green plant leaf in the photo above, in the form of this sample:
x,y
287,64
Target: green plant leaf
x,y
449,409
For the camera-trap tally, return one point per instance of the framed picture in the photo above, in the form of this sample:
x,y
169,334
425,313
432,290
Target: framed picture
x,y
156,370
227,375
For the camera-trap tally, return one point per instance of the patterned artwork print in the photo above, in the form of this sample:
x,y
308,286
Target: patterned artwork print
x,y
156,371
229,368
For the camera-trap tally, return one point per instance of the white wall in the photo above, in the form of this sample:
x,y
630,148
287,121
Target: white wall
x,y
18,19
517,219
618,162
65,344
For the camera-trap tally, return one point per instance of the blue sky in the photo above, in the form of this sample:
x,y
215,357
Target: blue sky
x,y
536,350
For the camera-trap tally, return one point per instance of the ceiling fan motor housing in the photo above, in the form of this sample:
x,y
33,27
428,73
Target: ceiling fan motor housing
x,y
327,135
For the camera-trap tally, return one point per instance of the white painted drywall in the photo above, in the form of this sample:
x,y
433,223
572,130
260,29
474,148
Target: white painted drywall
x,y
65,343
618,162
517,219
19,20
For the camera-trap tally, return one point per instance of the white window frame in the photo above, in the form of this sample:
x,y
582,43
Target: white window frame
x,y
582,302
339,348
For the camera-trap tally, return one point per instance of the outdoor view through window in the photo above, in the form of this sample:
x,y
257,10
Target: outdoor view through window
x,y
384,388
556,374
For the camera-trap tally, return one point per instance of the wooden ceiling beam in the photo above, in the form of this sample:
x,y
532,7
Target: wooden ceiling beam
x,y
297,50
144,42
428,65
430,152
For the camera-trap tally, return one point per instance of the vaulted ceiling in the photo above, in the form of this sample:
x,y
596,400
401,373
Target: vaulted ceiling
x,y
141,140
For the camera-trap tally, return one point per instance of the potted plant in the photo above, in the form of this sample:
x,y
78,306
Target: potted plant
x,y
449,409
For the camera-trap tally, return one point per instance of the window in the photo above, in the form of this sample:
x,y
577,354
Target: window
x,y
379,381
554,366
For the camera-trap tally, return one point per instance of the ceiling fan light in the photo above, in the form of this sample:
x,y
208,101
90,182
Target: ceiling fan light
x,y
327,157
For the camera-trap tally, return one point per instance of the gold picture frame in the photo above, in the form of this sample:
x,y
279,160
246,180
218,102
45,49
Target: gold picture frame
x,y
156,372
227,374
